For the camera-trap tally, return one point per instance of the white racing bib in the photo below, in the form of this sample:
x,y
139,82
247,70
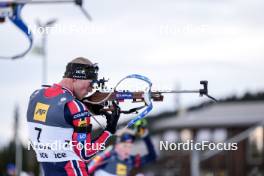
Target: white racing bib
x,y
51,144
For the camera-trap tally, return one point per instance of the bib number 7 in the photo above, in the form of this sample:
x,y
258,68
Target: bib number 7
x,y
39,132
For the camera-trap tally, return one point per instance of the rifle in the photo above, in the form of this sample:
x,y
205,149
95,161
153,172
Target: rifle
x,y
104,98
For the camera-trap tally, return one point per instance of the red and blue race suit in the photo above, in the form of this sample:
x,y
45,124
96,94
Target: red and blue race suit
x,y
55,117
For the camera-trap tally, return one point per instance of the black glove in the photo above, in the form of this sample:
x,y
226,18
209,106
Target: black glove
x,y
112,119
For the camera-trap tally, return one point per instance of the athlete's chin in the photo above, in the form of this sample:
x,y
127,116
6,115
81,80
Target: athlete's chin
x,y
90,89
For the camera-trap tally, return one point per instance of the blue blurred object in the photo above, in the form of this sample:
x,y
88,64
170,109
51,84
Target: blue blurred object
x,y
11,169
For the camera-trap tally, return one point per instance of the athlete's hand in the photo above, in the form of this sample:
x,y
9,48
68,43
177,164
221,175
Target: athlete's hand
x,y
112,119
141,129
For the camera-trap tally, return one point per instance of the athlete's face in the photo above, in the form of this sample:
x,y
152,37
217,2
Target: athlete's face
x,y
81,87
123,149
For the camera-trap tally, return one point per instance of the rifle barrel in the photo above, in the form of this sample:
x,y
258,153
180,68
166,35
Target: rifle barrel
x,y
178,91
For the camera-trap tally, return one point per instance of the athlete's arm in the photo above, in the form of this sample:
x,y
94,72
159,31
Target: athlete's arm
x,y
145,159
78,116
99,159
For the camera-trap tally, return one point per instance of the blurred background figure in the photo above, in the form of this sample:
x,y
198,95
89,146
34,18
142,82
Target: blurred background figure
x,y
117,159
11,169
